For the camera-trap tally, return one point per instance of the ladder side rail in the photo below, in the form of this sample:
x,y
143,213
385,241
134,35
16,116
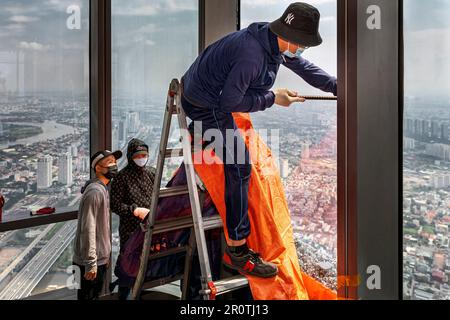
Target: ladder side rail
x,y
194,198
155,195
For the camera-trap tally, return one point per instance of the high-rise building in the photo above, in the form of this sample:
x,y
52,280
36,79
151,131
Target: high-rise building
x,y
85,164
425,129
409,126
65,175
417,128
445,131
435,130
284,170
305,150
115,138
409,144
44,173
438,150
123,131
133,122
74,150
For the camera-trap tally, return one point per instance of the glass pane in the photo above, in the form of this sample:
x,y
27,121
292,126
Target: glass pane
x,y
44,128
308,145
35,261
44,103
426,201
153,42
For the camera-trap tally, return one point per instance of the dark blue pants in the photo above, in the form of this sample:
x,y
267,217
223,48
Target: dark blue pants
x,y
237,172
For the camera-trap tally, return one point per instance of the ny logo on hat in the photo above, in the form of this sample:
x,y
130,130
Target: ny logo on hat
x,y
290,17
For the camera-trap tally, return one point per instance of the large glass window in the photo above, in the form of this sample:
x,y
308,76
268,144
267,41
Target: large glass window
x,y
426,203
44,123
153,42
308,145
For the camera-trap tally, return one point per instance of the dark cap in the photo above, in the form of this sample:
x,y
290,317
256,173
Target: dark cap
x,y
99,156
299,25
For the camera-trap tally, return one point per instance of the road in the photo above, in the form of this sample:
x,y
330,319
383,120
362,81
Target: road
x,y
29,277
24,254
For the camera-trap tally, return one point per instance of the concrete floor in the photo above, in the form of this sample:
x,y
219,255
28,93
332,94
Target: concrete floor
x,y
167,292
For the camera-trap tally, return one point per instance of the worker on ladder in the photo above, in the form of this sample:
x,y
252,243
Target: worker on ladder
x,y
235,74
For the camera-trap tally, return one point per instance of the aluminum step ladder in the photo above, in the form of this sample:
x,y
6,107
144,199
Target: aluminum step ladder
x,y
198,224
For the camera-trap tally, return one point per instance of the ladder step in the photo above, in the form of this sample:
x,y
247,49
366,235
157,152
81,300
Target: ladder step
x,y
168,225
172,225
211,223
161,282
173,191
229,284
167,253
174,153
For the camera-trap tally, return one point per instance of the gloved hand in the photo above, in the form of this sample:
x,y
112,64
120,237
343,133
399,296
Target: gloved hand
x,y
286,97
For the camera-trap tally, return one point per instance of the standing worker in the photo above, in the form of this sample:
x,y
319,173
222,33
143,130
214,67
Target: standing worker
x,y
92,245
235,74
131,196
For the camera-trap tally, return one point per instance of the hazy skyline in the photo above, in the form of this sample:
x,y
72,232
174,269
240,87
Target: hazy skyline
x,y
38,52
427,47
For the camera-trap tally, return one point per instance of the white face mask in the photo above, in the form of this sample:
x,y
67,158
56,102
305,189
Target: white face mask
x,y
141,162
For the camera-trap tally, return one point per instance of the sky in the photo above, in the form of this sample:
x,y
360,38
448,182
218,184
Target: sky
x,y
50,57
153,42
427,49
161,40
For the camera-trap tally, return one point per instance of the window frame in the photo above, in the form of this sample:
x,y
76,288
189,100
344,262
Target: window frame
x,y
101,135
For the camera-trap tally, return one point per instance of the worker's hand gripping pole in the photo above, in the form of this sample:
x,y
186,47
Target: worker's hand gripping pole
x,y
323,98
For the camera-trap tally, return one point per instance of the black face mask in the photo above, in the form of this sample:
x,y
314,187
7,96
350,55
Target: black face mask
x,y
112,172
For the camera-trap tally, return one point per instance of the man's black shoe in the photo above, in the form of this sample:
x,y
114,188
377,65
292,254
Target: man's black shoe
x,y
250,263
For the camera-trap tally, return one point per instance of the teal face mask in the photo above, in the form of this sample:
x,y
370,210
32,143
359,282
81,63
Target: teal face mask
x,y
297,54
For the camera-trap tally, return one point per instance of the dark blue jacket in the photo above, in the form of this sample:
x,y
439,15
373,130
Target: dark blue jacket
x,y
236,73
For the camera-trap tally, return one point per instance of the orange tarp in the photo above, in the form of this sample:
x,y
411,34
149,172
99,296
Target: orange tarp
x,y
271,228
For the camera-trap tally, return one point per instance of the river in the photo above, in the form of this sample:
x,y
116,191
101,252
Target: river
x,y
52,130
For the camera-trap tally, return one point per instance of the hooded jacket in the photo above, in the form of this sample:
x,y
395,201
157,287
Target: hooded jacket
x,y
92,247
236,73
131,189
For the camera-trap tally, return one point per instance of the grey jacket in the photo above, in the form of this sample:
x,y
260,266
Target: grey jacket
x,y
92,247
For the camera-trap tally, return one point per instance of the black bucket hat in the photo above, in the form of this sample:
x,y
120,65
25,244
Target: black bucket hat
x,y
299,25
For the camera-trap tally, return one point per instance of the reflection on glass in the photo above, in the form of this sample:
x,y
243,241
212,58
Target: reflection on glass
x,y
44,114
426,200
308,146
153,42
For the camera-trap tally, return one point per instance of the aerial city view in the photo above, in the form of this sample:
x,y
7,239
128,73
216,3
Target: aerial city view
x,y
426,201
33,178
45,137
